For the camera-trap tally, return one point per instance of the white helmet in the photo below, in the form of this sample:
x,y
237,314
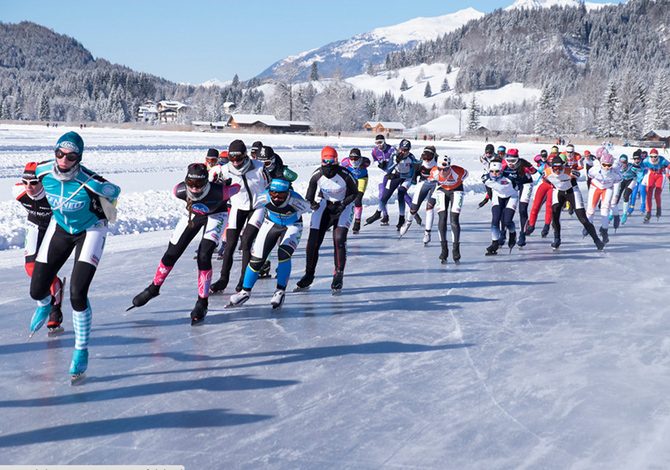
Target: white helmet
x,y
495,166
443,161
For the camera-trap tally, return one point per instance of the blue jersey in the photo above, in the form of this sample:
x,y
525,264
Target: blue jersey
x,y
358,172
76,202
657,167
288,213
404,169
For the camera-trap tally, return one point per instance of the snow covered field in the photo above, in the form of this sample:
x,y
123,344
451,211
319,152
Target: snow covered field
x,y
533,359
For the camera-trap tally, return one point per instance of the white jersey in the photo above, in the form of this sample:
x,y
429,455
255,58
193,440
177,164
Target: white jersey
x,y
252,180
501,187
604,179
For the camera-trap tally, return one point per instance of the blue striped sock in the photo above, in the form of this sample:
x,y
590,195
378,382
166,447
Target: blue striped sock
x,y
82,327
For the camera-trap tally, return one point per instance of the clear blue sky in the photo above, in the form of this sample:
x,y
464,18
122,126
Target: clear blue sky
x,y
197,40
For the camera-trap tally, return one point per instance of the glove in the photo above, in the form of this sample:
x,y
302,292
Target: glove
x,y
314,205
575,173
337,208
383,165
398,158
483,202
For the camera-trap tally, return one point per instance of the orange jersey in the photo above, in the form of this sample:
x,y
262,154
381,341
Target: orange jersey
x,y
449,180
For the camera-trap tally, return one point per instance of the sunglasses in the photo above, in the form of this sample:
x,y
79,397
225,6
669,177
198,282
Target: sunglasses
x,y
30,182
71,156
380,142
557,167
328,161
607,165
636,158
653,157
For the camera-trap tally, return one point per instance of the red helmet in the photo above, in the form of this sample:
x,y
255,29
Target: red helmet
x,y
328,155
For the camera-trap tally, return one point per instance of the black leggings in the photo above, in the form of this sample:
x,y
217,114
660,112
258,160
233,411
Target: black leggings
x,y
316,237
248,235
205,249
557,208
61,246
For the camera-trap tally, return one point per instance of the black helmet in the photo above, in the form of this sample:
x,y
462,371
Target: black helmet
x,y
489,148
266,153
405,145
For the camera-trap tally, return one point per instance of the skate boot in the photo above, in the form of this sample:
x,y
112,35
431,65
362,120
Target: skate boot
x,y
401,222
522,239
616,221
357,226
503,238
218,286
373,218
199,311
647,217
604,235
529,229
599,244
492,249
426,237
624,218
78,365
417,218
278,299
556,243
584,232
264,272
239,298
55,320
385,220
512,241
456,252
336,285
545,231
39,317
444,254
304,282
405,227
658,212
145,296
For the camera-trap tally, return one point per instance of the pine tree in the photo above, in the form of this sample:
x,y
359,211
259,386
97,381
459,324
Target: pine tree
x,y
445,85
427,92
608,122
449,68
404,86
314,73
43,111
545,119
236,81
473,115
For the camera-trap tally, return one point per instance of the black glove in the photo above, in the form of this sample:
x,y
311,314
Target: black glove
x,y
337,208
314,205
483,202
383,164
399,158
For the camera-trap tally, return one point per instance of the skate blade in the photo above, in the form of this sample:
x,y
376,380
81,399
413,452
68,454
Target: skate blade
x,y
55,331
336,291
301,289
130,308
239,304
77,379
443,261
197,321
277,306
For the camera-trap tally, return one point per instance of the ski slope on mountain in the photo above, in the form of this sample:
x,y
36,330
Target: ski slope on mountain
x,y
531,359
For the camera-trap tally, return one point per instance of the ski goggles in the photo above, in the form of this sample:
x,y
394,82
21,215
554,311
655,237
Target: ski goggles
x,y
607,165
30,182
380,142
236,157
328,161
70,156
196,184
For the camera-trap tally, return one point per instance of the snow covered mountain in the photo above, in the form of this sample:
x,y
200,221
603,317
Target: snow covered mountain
x,y
531,4
351,56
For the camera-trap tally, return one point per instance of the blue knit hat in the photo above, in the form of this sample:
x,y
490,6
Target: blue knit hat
x,y
71,141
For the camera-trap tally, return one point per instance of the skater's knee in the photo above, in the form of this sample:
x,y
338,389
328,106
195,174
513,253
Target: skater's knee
x,y
78,297
205,252
285,253
255,263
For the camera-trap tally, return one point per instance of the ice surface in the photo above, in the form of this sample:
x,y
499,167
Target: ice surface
x,y
534,359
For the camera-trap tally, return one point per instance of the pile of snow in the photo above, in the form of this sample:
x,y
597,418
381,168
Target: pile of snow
x,y
426,29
